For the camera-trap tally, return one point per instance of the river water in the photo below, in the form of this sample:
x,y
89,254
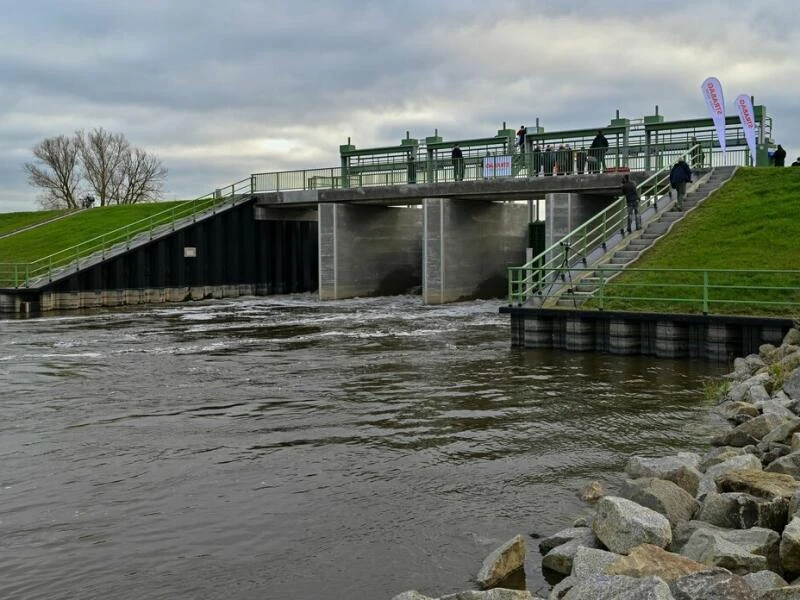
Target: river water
x,y
288,448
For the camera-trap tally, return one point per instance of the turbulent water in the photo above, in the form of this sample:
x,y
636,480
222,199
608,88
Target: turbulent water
x,y
288,448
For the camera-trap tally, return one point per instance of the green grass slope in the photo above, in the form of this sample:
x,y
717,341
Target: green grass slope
x,y
28,246
752,223
11,222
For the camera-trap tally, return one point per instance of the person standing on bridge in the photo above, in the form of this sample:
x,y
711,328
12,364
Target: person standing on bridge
x,y
679,176
597,152
458,164
632,200
521,135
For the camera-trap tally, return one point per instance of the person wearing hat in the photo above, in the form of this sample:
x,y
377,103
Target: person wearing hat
x,y
679,176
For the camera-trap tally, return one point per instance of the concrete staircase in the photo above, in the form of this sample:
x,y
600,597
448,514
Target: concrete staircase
x,y
631,247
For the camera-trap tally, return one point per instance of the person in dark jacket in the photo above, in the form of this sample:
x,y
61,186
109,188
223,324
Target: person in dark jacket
x,y
597,152
779,156
458,163
797,162
521,135
679,176
632,201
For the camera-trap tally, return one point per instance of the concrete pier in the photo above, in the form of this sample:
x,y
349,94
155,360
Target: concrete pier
x,y
368,250
467,247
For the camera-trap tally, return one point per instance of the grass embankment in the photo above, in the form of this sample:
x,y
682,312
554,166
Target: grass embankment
x,y
37,243
752,223
11,222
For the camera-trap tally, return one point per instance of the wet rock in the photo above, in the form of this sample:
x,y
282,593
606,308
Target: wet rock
x,y
621,525
681,469
789,465
712,585
564,536
790,547
560,559
741,551
411,595
761,581
619,587
502,562
719,455
648,560
735,437
592,492
662,496
738,510
761,425
730,409
759,483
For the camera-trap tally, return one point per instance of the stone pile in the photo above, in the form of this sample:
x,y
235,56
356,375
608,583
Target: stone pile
x,y
724,525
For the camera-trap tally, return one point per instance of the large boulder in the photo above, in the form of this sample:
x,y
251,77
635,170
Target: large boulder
x,y
681,469
740,551
622,525
783,432
731,410
719,455
790,547
792,337
560,559
789,465
648,560
712,585
761,581
737,510
708,483
759,483
620,587
589,561
792,385
757,394
738,392
662,496
756,428
502,562
775,407
683,531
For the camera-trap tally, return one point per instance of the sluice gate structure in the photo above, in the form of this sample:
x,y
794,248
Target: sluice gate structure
x,y
401,219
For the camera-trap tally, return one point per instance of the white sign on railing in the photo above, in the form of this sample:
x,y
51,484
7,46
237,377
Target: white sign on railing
x,y
497,166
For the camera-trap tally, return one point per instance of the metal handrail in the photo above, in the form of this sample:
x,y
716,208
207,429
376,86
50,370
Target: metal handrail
x,y
698,290
528,279
71,259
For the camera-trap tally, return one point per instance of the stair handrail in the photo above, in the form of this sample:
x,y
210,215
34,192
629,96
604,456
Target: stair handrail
x,y
524,281
22,274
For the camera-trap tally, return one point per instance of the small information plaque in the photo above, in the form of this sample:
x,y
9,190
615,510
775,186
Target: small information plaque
x,y
189,252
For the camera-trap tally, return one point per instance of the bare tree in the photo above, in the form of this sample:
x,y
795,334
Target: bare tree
x,y
103,155
57,172
143,177
115,171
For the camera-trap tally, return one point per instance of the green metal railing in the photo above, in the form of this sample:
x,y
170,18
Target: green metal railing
x,y
529,279
21,275
706,291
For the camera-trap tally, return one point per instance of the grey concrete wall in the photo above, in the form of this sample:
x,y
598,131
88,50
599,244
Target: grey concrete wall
x,y
368,250
566,212
468,246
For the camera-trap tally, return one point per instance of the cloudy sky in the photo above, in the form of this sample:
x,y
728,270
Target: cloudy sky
x,y
219,90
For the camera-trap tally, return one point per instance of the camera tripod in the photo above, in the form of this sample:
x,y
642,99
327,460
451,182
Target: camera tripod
x,y
563,271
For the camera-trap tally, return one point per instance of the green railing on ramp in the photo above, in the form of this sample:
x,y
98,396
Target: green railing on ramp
x,y
529,279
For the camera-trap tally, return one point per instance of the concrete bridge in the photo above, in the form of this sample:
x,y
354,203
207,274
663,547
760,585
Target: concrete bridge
x,y
452,240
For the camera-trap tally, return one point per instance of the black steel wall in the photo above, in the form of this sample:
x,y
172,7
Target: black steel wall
x,y
232,248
